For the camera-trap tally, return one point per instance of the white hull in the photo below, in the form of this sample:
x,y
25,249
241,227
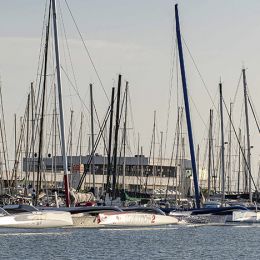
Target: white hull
x,y
37,219
133,219
246,216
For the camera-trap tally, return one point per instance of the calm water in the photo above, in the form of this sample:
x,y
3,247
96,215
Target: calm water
x,y
180,242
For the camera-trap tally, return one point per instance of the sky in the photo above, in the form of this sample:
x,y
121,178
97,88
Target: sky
x,y
136,38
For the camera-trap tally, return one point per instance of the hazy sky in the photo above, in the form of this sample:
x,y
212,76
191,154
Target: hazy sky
x,y
135,38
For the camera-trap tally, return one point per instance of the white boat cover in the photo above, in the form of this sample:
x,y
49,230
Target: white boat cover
x,y
134,219
246,216
37,219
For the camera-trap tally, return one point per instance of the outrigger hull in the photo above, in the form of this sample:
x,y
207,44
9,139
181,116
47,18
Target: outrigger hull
x,y
134,219
37,219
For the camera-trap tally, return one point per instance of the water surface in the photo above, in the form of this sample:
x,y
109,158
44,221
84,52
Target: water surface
x,y
172,242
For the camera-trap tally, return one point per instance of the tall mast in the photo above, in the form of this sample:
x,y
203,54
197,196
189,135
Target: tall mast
x,y
80,140
142,170
62,128
3,138
210,151
110,141
116,136
198,161
187,109
138,162
222,146
229,148
153,145
55,136
33,134
71,139
161,163
92,137
239,162
15,152
247,136
27,140
124,140
245,176
39,164
179,117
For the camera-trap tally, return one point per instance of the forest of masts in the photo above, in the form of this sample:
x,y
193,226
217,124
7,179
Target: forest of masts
x,y
37,133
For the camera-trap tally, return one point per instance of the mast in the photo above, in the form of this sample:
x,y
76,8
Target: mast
x,y
124,140
138,162
142,170
71,140
222,146
229,148
62,128
247,136
15,152
110,141
92,138
153,144
239,162
187,109
161,163
198,161
182,172
245,176
39,164
80,137
116,136
179,117
32,142
210,150
3,138
27,140
55,136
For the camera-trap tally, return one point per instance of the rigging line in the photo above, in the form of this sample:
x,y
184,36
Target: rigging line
x,y
205,131
18,151
234,99
48,100
79,136
132,117
67,45
86,48
253,111
200,75
171,160
173,53
3,122
197,111
76,90
177,83
128,147
241,149
41,44
95,147
100,127
63,47
156,130
241,115
77,93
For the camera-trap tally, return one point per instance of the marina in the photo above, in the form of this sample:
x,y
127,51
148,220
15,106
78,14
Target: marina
x,y
79,179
